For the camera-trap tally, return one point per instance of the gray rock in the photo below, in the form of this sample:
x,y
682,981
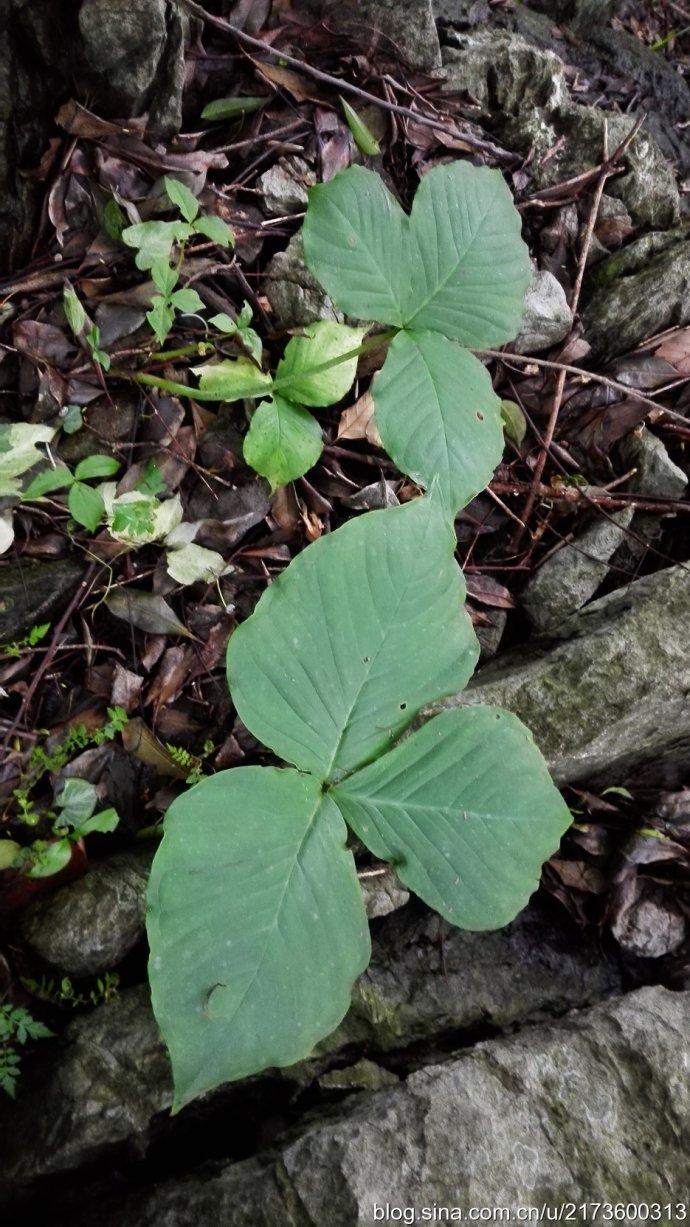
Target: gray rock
x,y
100,1090
295,296
427,978
591,1109
525,88
392,29
134,55
88,927
110,1080
285,185
657,476
609,692
638,292
547,318
570,577
647,927
32,592
383,894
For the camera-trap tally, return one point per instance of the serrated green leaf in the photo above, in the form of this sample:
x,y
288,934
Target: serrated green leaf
x,y
233,379
76,315
365,140
181,196
362,629
48,481
215,229
465,810
77,799
96,466
457,265
85,505
283,441
300,376
231,108
438,415
256,926
187,301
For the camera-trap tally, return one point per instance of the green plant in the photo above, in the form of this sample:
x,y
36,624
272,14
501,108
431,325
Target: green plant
x,y
156,241
16,1027
17,646
256,922
64,993
85,504
75,819
89,337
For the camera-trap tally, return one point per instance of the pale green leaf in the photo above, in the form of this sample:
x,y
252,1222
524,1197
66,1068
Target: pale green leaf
x,y
76,315
164,277
232,379
154,240
77,799
232,108
193,563
256,926
85,505
215,229
160,317
457,265
187,301
138,519
304,374
514,423
18,452
356,245
465,810
283,441
103,822
365,140
470,269
362,629
181,196
438,415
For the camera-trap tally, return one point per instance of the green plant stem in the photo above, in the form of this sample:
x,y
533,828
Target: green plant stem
x,y
181,389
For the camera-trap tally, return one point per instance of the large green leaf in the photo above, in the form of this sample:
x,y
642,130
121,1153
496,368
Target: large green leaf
x,y
301,376
256,925
466,811
355,243
457,265
470,268
283,441
363,628
438,416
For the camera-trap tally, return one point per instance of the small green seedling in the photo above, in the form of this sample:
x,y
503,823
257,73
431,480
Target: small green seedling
x,y
156,242
75,820
16,1027
256,922
85,503
85,331
17,646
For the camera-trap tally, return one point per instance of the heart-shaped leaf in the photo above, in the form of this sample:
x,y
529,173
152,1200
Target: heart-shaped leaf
x,y
466,811
304,374
438,415
363,628
456,265
283,441
256,925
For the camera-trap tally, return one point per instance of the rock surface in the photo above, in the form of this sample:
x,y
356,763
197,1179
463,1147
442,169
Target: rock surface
x,y
88,927
571,576
608,693
637,293
425,980
32,592
546,318
393,29
295,296
588,1109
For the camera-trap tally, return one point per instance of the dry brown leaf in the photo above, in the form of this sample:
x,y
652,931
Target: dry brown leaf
x,y
285,78
676,350
358,422
138,740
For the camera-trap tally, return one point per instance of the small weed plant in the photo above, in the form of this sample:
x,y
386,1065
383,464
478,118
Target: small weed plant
x,y
256,921
16,1027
